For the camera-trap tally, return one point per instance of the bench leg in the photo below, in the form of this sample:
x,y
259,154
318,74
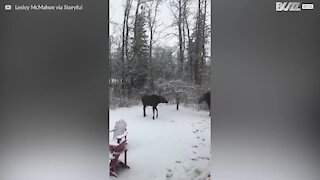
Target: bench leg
x,y
125,157
123,165
113,174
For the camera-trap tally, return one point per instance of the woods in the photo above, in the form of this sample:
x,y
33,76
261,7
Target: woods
x,y
160,47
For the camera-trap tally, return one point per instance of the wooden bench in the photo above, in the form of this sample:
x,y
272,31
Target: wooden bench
x,y
117,146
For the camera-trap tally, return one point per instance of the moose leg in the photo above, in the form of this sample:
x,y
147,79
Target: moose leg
x,y
157,110
144,111
153,108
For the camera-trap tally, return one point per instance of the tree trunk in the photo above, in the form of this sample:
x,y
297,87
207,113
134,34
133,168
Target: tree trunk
x,y
150,59
181,53
126,44
132,61
203,41
190,48
124,47
198,47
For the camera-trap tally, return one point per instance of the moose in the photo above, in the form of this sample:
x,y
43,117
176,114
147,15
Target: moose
x,y
152,100
206,97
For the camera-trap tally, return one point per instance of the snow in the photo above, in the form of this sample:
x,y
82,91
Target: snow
x,y
174,146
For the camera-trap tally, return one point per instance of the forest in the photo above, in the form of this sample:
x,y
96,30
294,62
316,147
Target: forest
x,y
159,47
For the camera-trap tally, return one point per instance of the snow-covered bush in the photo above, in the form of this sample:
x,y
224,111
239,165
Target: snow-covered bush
x,y
181,91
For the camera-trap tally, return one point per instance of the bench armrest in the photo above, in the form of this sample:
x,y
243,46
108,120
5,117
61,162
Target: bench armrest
x,y
122,135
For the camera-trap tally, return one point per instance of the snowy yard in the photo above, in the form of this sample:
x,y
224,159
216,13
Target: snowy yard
x,y
175,146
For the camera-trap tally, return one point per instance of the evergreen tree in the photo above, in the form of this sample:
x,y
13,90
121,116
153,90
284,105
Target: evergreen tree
x,y
139,63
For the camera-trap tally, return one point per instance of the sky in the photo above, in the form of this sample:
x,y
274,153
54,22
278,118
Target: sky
x,y
165,18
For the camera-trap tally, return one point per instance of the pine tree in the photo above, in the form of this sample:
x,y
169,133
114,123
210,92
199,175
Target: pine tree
x,y
140,63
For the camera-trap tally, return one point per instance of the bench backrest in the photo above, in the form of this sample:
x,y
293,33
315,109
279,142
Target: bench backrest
x,y
120,128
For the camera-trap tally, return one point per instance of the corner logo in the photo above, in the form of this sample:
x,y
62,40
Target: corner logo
x,y
292,6
288,6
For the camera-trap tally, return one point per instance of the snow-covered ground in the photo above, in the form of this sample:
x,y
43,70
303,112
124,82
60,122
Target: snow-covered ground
x,y
175,146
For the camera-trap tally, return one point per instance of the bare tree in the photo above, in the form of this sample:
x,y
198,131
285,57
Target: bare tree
x,y
200,40
203,41
130,61
124,49
152,25
186,15
177,12
181,52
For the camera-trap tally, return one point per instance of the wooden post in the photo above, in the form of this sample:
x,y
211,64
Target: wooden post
x,y
177,99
